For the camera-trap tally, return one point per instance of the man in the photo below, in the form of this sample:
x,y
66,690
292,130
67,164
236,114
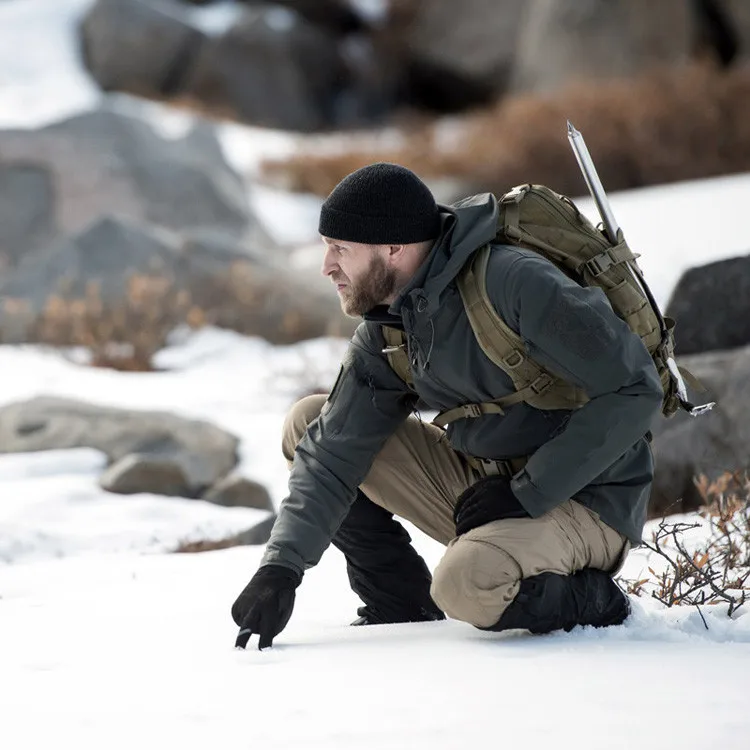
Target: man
x,y
532,541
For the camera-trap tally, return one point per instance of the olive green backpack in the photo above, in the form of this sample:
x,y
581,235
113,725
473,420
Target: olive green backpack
x,y
535,217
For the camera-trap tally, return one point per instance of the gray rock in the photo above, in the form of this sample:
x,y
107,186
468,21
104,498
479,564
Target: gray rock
x,y
104,255
138,472
567,40
477,46
27,209
105,163
711,305
713,443
271,68
141,46
237,491
203,452
259,534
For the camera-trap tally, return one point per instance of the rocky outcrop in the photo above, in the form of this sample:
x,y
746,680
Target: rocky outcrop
x,y
103,162
713,443
567,40
272,68
711,305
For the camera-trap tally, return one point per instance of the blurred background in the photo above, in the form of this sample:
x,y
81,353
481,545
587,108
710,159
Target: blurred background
x,y
162,164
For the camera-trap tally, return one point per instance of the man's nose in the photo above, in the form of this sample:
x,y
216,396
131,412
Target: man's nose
x,y
329,265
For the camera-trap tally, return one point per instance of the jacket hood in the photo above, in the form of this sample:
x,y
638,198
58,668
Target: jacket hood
x,y
465,226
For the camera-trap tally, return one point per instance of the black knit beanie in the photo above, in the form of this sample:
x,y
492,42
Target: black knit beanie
x,y
381,204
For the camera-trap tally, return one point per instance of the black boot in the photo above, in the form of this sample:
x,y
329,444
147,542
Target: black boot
x,y
550,601
384,569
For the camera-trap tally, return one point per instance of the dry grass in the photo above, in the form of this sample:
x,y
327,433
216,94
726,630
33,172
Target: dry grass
x,y
671,125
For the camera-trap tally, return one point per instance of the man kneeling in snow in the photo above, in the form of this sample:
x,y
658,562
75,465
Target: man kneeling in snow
x,y
538,509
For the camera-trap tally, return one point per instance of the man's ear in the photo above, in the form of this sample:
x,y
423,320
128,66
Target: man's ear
x,y
396,253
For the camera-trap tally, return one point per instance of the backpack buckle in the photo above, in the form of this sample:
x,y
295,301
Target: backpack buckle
x,y
516,194
541,384
599,263
519,360
471,411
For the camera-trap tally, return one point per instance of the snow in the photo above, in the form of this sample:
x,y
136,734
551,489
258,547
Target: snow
x,y
106,640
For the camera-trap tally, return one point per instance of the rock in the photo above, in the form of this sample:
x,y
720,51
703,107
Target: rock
x,y
140,46
102,162
271,68
237,491
567,40
202,452
713,443
258,534
475,50
27,210
337,16
711,306
137,472
737,15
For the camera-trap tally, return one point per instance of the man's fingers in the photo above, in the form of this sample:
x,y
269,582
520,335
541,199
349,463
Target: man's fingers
x,y
243,637
266,640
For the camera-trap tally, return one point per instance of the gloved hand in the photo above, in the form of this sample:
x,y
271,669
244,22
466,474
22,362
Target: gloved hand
x,y
265,604
488,499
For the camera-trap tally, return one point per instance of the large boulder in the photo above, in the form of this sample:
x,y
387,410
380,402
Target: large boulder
x,y
272,68
711,305
473,45
197,452
567,40
70,173
713,443
141,46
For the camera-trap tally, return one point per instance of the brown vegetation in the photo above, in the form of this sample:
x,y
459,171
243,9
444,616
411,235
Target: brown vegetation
x,y
716,571
127,333
672,125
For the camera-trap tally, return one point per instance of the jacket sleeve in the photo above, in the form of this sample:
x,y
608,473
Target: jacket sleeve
x,y
573,331
366,405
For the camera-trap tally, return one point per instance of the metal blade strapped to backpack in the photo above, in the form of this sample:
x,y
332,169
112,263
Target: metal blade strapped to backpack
x,y
537,218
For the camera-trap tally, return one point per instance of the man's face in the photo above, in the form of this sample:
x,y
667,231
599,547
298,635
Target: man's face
x,y
361,274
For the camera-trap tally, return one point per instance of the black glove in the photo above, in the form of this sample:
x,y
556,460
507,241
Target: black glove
x,y
489,499
265,604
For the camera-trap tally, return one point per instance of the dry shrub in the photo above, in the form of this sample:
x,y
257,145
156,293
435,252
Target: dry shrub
x,y
670,125
127,333
124,335
716,569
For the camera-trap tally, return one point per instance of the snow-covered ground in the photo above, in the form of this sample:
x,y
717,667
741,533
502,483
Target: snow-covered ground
x,y
107,641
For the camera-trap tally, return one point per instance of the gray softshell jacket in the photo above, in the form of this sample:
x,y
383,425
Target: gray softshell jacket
x,y
597,454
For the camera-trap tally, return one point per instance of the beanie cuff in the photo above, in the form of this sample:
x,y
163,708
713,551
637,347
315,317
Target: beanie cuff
x,y
378,230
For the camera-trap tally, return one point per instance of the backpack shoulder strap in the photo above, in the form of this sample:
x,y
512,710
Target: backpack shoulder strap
x,y
505,348
395,351
502,345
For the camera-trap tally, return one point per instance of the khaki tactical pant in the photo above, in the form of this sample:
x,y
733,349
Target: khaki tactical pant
x,y
418,476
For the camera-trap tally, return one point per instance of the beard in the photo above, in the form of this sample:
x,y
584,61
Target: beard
x,y
376,284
